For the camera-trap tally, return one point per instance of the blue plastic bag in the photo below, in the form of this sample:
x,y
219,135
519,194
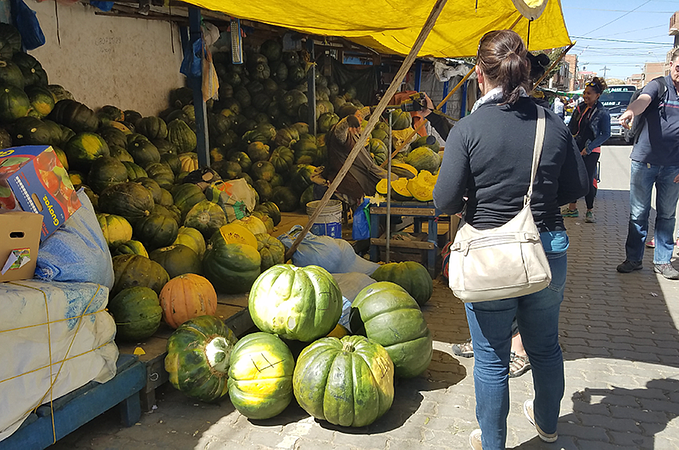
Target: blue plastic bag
x,y
191,64
361,227
25,20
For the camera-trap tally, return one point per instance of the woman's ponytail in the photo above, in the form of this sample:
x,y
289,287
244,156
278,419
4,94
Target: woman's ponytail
x,y
502,59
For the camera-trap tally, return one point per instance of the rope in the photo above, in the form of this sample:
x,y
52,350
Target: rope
x,y
54,378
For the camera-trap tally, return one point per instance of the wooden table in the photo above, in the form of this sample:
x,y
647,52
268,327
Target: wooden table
x,y
421,212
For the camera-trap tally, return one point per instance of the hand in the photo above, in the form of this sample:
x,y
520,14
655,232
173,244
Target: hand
x,y
676,179
428,102
626,119
584,152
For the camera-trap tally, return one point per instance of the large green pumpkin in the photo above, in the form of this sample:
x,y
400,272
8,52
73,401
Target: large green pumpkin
x,y
263,170
153,187
298,303
182,136
424,158
411,276
388,315
230,267
84,148
130,200
74,115
130,247
137,313
348,382
285,198
282,159
106,172
113,136
32,70
42,101
191,238
260,376
186,196
152,127
156,230
271,250
198,355
134,171
400,119
10,74
31,131
271,209
114,228
143,151
161,173
206,217
177,259
137,270
14,103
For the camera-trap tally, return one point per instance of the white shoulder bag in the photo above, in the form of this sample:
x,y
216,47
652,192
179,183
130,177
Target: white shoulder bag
x,y
504,262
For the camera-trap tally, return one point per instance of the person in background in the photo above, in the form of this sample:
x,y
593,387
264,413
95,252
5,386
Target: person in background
x,y
363,174
558,107
492,167
591,126
655,162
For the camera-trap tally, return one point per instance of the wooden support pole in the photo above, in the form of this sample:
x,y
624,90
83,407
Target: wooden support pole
x,y
374,117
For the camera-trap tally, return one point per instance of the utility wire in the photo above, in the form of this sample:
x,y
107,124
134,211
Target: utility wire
x,y
624,41
618,18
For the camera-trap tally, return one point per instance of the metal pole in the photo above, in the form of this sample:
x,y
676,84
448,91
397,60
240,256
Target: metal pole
x,y
418,75
196,84
387,246
444,108
311,89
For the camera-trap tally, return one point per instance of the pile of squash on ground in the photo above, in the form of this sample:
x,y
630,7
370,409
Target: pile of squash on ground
x,y
175,245
301,352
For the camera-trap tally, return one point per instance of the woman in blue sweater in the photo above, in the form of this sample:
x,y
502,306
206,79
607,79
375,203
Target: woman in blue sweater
x,y
486,168
591,127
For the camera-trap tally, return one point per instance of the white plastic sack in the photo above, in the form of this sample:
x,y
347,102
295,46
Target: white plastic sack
x,y
334,255
70,352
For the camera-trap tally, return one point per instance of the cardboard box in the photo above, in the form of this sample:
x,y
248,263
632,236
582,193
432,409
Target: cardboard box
x,y
20,237
32,179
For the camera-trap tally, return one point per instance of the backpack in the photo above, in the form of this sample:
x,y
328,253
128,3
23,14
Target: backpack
x,y
640,120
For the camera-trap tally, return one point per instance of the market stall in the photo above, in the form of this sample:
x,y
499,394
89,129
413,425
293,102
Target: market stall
x,y
187,205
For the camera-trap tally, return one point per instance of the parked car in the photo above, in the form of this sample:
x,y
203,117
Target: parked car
x,y
616,99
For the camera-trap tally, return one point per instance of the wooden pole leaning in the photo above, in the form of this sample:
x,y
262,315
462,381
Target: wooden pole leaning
x,y
374,117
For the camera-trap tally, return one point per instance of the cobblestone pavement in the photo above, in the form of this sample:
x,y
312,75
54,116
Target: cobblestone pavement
x,y
621,352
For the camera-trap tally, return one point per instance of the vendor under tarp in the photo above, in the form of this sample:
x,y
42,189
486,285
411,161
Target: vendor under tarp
x,y
392,26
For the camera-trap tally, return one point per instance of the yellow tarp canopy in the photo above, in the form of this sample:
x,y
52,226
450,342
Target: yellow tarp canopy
x,y
391,26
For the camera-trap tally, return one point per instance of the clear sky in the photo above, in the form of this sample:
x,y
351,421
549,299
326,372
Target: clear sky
x,y
620,35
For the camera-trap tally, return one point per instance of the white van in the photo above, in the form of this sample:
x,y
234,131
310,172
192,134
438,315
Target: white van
x,y
616,99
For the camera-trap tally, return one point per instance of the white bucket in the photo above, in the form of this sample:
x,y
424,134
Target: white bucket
x,y
329,221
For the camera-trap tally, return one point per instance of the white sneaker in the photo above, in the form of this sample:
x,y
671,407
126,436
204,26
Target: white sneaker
x,y
528,412
475,440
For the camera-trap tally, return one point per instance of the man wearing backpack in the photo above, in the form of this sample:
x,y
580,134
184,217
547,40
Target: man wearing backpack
x,y
655,161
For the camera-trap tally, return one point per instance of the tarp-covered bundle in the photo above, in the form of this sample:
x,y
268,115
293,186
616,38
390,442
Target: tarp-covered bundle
x,y
54,338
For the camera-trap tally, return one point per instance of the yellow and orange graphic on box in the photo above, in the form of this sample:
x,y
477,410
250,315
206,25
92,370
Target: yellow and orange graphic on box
x,y
33,179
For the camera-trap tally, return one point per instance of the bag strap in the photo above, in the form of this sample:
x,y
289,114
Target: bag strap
x,y
537,150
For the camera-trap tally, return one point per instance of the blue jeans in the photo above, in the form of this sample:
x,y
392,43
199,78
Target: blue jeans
x,y
643,177
490,325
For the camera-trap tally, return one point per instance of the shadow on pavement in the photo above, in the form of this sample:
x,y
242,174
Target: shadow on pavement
x,y
606,314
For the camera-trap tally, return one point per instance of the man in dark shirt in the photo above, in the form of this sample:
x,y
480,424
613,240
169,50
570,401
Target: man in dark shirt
x,y
655,161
